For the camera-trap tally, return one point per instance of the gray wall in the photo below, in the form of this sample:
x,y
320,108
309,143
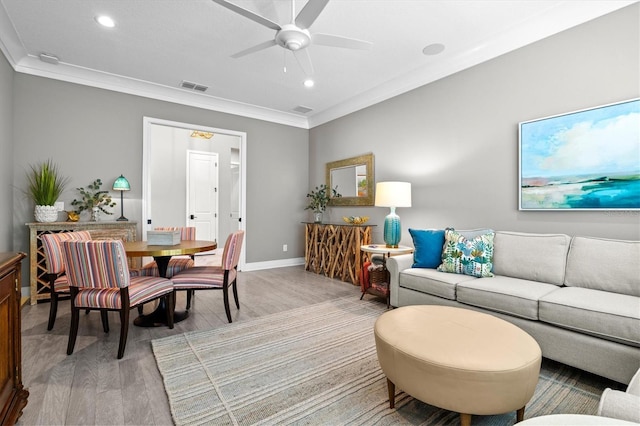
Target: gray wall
x,y
93,133
6,154
456,140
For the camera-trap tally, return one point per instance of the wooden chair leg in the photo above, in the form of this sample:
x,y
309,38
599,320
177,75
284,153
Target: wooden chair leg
x,y
225,296
105,320
124,330
391,390
169,303
465,419
73,331
53,310
520,415
190,293
235,293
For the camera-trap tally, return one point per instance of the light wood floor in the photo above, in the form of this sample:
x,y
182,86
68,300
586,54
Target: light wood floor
x,y
92,387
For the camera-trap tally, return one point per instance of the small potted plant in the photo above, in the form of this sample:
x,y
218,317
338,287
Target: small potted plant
x,y
94,200
319,198
45,184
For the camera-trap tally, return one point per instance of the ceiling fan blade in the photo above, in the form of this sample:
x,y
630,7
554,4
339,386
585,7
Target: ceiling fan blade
x,y
310,13
264,45
338,41
249,14
304,60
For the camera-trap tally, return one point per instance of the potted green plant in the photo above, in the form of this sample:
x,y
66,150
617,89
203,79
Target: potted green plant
x,y
94,200
45,184
318,200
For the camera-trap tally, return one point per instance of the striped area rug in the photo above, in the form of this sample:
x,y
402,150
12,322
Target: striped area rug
x,y
317,365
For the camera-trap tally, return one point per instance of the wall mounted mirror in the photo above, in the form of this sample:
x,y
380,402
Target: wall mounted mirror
x,y
354,180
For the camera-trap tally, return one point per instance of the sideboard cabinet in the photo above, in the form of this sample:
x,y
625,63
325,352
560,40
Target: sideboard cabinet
x,y
13,396
125,231
334,249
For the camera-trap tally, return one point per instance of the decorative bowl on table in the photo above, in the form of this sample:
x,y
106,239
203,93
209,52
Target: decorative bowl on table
x,y
355,220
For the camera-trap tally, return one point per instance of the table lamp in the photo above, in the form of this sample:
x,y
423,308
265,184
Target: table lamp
x,y
392,195
121,184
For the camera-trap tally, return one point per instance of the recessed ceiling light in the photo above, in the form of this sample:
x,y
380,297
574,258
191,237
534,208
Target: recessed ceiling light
x,y
309,83
433,49
105,21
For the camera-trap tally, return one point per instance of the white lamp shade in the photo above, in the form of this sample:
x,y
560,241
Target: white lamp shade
x,y
393,194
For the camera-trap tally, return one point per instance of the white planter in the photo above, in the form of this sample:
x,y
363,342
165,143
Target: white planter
x,y
46,213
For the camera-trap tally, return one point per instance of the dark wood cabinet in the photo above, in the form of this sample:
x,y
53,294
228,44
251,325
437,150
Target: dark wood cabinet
x,y
13,396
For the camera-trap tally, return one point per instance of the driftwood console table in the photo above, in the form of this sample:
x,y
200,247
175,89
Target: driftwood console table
x,y
334,249
125,231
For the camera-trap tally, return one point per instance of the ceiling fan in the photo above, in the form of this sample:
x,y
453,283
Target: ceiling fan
x,y
296,36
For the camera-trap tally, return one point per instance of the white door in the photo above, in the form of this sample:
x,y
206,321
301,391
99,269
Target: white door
x,y
202,194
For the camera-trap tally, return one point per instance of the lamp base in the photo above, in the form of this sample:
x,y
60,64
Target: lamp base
x,y
392,229
122,219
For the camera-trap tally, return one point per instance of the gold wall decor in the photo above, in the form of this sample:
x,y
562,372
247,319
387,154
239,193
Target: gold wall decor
x,y
355,180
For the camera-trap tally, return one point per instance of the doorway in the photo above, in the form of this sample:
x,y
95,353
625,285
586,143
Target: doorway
x,y
167,185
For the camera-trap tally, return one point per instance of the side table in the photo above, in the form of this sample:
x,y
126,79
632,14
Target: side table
x,y
381,288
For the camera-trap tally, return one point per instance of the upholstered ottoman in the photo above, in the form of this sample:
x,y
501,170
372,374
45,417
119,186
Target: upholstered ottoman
x,y
457,359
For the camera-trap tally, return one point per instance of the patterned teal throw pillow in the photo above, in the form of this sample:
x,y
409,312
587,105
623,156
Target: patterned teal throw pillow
x,y
467,256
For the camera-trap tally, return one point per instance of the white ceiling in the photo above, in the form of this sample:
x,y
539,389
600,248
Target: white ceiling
x,y
156,44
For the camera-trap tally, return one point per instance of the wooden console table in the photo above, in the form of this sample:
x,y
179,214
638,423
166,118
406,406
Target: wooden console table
x,y
125,231
334,249
13,397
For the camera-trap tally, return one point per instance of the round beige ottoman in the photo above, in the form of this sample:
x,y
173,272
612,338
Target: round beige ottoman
x,y
457,359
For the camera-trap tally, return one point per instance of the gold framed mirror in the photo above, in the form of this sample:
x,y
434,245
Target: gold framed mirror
x,y
354,178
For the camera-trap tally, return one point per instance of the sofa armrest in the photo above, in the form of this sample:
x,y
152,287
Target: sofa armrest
x,y
395,264
619,405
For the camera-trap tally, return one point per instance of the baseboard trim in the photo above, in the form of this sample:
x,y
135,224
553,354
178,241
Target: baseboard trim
x,y
257,266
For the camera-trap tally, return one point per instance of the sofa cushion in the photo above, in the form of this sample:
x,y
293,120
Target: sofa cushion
x,y
432,282
603,264
534,257
604,314
504,294
428,247
473,256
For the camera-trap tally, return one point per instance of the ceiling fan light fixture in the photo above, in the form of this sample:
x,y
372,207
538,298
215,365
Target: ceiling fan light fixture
x,y
309,83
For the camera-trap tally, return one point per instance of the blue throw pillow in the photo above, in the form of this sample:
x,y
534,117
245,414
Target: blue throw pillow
x,y
428,247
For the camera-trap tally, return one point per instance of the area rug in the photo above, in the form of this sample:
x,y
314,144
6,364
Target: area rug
x,y
317,365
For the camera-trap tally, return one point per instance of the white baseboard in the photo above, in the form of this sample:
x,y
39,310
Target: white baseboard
x,y
256,266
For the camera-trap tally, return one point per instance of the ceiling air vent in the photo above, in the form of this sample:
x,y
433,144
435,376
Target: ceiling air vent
x,y
193,86
302,109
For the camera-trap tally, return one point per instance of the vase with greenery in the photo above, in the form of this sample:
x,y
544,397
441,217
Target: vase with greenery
x,y
318,200
45,184
93,200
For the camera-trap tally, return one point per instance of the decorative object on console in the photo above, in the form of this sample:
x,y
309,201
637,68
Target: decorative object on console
x,y
392,195
121,184
319,199
582,160
45,184
468,256
94,200
356,220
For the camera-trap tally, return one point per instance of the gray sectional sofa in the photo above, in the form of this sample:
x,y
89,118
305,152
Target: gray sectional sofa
x,y
579,297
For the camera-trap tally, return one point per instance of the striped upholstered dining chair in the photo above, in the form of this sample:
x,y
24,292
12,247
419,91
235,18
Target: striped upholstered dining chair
x,y
99,279
215,277
58,283
176,263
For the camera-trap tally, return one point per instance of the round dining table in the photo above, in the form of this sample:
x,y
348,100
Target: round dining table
x,y
162,254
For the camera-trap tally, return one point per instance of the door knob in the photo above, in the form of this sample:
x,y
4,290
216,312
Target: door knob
x,y
192,217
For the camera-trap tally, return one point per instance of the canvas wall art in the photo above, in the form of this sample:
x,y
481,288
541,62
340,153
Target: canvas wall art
x,y
583,160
